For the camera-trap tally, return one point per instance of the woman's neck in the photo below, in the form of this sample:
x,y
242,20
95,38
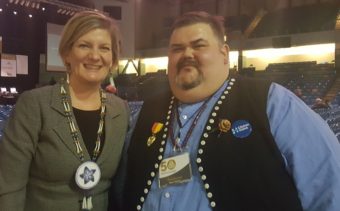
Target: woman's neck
x,y
85,97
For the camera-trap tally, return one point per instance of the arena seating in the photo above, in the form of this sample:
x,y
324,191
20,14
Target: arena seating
x,y
5,111
313,80
332,117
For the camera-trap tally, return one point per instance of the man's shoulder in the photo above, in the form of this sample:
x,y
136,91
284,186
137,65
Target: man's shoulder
x,y
253,85
253,81
159,97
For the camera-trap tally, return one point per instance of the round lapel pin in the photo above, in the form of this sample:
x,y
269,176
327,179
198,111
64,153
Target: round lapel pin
x,y
241,129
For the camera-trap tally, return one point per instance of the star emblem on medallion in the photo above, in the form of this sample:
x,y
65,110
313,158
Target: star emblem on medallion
x,y
88,175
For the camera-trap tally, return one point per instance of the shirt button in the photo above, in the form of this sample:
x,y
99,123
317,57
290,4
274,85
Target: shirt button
x,y
167,195
185,116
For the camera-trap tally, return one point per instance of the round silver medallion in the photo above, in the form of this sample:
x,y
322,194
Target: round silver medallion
x,y
87,175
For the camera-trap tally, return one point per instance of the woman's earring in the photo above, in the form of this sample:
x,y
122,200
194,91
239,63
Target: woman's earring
x,y
68,67
112,83
111,87
67,78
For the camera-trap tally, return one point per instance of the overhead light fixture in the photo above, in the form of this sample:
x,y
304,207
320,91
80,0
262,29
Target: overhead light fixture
x,y
64,8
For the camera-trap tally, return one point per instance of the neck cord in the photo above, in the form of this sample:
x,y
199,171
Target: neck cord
x,y
74,130
178,118
176,141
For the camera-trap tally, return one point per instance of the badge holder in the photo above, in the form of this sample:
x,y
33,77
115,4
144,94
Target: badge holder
x,y
175,170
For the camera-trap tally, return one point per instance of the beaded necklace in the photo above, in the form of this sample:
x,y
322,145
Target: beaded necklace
x,y
74,131
88,173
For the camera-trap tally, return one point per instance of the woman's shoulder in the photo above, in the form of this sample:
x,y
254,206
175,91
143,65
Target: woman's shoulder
x,y
112,98
115,101
41,90
41,93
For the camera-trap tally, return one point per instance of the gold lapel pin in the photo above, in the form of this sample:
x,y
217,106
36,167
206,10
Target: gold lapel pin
x,y
224,126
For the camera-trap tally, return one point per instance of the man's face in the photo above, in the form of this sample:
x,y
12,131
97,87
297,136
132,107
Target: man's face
x,y
197,62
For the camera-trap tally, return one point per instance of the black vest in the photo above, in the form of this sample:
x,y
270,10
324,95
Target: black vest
x,y
239,174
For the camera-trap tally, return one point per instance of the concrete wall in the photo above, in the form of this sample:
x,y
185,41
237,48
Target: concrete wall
x,y
126,24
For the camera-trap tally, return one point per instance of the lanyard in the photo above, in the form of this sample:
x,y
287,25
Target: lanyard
x,y
176,141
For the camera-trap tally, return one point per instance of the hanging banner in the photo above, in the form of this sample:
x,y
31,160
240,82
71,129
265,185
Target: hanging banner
x,y
22,64
8,65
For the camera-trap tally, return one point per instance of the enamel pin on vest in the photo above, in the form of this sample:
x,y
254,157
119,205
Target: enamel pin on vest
x,y
156,127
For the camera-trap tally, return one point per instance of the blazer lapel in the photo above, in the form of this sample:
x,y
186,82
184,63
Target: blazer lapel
x,y
63,129
110,132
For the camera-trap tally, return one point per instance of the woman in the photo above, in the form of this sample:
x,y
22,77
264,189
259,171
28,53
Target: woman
x,y
62,144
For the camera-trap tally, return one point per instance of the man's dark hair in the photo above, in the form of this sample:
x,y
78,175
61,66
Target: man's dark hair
x,y
215,22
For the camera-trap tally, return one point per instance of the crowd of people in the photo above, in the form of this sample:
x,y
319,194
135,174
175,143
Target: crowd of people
x,y
210,142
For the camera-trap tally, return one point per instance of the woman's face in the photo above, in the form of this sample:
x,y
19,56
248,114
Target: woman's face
x,y
90,57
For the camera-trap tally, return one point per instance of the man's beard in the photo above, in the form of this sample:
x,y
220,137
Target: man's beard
x,y
186,85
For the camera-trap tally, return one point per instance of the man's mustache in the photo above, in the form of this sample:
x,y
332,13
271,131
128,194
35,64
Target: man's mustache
x,y
186,62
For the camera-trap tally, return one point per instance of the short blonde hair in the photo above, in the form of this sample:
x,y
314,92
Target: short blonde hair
x,y
83,22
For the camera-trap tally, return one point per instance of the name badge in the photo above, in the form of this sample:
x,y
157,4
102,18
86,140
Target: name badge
x,y
175,170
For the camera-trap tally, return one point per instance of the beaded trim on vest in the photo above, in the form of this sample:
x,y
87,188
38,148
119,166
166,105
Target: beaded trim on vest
x,y
208,127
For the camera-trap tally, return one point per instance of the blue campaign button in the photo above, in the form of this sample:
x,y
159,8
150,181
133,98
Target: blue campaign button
x,y
241,129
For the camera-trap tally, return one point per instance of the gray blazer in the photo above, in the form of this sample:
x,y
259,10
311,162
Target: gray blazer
x,y
38,158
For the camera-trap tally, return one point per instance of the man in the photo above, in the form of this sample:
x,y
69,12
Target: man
x,y
218,143
319,103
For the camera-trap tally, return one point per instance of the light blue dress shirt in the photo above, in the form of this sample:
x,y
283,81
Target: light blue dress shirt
x,y
311,152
